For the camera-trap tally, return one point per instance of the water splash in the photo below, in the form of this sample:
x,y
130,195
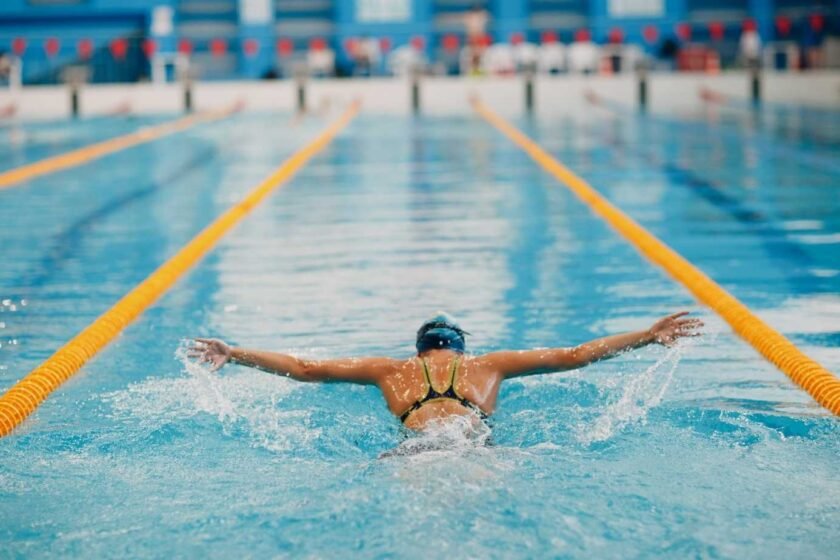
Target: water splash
x,y
449,460
245,404
453,435
638,395
210,396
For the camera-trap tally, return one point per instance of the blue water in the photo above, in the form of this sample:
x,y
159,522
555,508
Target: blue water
x,y
704,450
25,142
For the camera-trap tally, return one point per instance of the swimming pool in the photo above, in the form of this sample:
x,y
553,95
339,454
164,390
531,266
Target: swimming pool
x,y
703,451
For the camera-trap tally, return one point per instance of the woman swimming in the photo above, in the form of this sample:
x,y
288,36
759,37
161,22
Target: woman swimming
x,y
441,381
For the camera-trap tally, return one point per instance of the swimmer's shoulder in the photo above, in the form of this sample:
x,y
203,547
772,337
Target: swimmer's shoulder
x,y
393,366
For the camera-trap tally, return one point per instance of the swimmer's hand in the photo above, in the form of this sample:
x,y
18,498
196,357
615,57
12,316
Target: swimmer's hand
x,y
210,351
668,330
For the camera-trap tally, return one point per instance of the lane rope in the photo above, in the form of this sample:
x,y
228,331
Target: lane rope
x,y
86,154
25,396
820,383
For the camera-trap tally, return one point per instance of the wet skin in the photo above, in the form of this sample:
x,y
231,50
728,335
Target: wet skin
x,y
478,378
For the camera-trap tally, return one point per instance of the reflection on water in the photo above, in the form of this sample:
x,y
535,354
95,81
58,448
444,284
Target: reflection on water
x,y
703,450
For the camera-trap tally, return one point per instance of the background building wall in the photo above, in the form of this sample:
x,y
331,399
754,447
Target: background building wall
x,y
230,39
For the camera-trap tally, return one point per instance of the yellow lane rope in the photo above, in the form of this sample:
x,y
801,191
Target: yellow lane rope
x,y
30,391
89,153
811,376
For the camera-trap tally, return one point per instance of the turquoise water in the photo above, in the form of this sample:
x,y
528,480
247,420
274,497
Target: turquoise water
x,y
704,450
22,143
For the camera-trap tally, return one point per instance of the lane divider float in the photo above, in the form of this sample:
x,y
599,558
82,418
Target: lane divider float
x,y
29,392
808,374
86,154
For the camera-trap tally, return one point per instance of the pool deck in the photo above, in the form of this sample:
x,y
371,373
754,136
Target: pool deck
x,y
552,95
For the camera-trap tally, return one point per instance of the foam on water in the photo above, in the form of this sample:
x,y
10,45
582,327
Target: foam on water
x,y
637,394
241,402
250,404
458,433
255,406
448,458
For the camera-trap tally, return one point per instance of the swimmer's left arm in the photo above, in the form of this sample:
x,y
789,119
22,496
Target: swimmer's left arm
x,y
532,362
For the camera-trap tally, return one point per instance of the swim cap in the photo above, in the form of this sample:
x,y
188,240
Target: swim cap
x,y
440,332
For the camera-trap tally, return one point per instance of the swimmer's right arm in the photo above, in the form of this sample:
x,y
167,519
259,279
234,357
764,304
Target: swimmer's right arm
x,y
350,370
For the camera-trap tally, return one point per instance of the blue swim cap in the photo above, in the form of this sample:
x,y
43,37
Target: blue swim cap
x,y
440,332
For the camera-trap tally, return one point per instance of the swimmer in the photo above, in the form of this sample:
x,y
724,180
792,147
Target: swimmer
x,y
441,381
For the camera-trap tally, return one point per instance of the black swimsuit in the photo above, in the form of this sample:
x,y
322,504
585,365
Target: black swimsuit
x,y
450,393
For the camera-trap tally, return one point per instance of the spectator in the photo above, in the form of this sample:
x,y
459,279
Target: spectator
x,y
812,40
524,54
373,52
475,23
5,65
750,46
583,54
320,59
669,51
449,55
360,52
499,59
551,55
407,59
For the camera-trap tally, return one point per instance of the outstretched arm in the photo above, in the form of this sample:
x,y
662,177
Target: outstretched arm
x,y
351,370
531,362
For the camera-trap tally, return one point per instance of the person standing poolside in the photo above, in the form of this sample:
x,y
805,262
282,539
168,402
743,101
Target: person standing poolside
x,y
442,381
475,25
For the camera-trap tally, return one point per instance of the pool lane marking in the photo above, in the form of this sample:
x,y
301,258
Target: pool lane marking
x,y
64,244
25,396
775,239
766,139
808,374
86,154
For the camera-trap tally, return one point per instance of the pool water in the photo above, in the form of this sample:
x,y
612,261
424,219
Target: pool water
x,y
704,450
